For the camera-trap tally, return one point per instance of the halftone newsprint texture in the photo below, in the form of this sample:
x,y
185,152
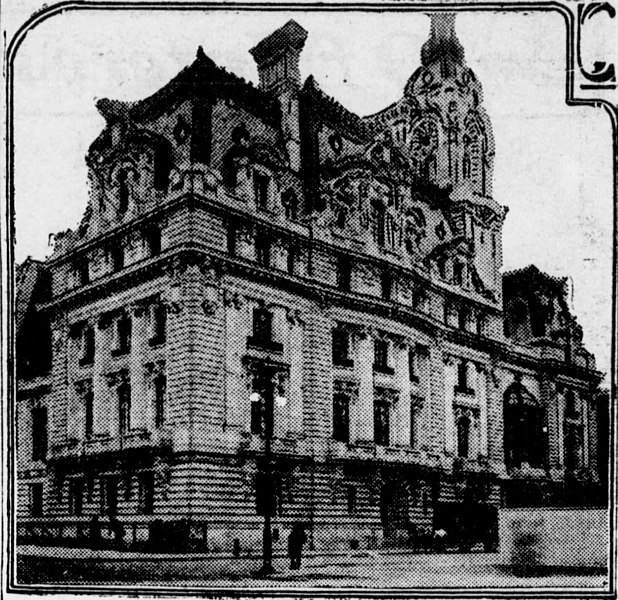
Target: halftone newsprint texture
x,y
310,299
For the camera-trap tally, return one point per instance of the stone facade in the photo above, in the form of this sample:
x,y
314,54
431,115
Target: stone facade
x,y
255,249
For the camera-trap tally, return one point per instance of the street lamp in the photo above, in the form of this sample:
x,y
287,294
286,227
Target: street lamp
x,y
265,490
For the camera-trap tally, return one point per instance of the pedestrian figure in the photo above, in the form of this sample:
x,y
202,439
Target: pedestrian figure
x,y
439,539
117,529
296,540
95,532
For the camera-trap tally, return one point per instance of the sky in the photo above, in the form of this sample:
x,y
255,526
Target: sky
x,y
553,163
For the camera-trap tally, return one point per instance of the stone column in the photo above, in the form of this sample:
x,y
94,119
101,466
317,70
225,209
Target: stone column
x,y
363,427
551,401
236,393
482,395
401,413
104,417
140,404
295,392
449,419
585,432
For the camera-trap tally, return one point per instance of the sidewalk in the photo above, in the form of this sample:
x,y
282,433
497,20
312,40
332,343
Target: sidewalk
x,y
364,569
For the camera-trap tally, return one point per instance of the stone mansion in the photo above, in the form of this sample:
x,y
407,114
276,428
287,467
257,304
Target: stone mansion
x,y
257,260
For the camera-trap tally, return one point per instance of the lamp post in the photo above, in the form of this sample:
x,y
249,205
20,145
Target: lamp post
x,y
266,490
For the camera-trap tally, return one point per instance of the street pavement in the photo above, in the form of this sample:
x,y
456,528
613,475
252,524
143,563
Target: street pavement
x,y
360,569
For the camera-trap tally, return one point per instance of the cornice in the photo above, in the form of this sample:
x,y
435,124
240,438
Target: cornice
x,y
316,291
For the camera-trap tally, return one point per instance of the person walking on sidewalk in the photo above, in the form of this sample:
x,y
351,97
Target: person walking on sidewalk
x,y
296,540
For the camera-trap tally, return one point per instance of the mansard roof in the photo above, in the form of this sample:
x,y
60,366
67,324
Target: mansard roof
x,y
203,76
334,112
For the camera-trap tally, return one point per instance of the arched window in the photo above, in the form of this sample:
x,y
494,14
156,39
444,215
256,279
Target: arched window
x,y
463,437
524,435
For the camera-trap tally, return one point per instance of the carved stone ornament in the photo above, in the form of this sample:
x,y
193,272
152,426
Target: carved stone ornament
x,y
416,401
211,301
233,299
367,331
83,386
295,316
155,368
117,378
449,360
383,394
172,299
348,388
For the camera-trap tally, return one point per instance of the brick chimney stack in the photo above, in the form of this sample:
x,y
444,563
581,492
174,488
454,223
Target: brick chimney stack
x,y
277,59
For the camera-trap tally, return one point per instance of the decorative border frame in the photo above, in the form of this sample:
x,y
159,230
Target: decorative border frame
x,y
603,77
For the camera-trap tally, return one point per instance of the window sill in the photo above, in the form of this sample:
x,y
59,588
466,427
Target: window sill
x,y
120,352
385,370
267,345
464,391
156,341
346,363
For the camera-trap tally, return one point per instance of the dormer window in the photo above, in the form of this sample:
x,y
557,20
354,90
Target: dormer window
x,y
123,191
116,257
153,240
344,273
458,273
341,348
380,359
262,250
386,286
82,270
260,188
290,204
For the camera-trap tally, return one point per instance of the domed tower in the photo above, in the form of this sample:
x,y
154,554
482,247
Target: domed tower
x,y
452,143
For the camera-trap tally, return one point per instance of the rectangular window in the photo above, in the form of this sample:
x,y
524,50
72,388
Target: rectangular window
x,y
260,187
231,239
160,386
262,250
116,256
146,493
351,498
458,273
36,499
462,319
39,433
462,386
89,413
412,366
158,317
413,426
82,270
153,240
291,260
123,335
87,346
124,408
381,422
76,497
386,286
344,273
262,334
109,495
341,348
341,418
380,360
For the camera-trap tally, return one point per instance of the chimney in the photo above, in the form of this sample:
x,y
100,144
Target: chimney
x,y
277,57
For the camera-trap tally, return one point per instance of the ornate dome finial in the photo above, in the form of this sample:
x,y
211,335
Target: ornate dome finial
x,y
442,40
